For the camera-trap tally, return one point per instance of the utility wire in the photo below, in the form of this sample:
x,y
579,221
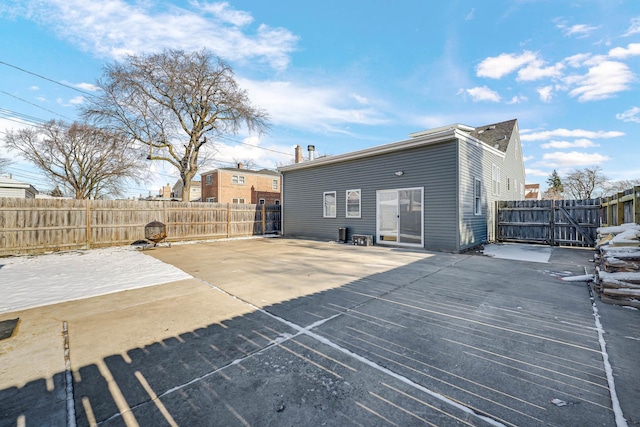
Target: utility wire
x,y
256,146
46,78
35,105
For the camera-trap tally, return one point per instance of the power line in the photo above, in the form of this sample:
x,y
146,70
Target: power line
x,y
46,78
35,105
256,146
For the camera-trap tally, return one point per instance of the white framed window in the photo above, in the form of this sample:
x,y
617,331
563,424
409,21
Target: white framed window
x,y
211,199
353,205
238,200
495,180
477,197
276,202
274,184
237,179
261,201
329,204
209,179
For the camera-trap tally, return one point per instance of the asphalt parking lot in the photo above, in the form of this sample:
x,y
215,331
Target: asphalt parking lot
x,y
295,332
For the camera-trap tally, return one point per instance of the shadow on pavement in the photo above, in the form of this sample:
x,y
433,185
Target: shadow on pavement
x,y
441,341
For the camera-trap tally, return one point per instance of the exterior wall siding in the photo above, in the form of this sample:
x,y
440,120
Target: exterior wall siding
x,y
432,167
472,228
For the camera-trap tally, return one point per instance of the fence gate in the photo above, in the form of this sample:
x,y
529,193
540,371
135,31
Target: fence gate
x,y
552,222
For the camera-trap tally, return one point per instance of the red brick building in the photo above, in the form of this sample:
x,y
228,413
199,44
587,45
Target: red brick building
x,y
239,185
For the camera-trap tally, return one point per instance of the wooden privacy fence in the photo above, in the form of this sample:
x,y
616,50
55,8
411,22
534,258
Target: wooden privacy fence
x,y
552,222
43,225
623,207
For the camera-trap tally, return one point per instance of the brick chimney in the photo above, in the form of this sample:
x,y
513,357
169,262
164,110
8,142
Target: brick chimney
x,y
239,165
298,155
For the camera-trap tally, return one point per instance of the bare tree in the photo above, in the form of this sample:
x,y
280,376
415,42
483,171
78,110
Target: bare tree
x,y
246,163
582,183
612,187
3,164
171,102
88,162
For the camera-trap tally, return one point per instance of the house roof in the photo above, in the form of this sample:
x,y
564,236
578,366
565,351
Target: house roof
x,y
12,183
496,135
427,137
245,171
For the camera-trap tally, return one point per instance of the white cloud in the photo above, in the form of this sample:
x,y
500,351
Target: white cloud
x,y
483,94
578,143
631,115
312,108
601,81
254,149
226,14
77,100
115,28
527,158
577,60
545,93
580,30
633,49
360,99
34,88
525,135
573,159
469,16
535,172
535,70
498,66
634,28
87,86
517,99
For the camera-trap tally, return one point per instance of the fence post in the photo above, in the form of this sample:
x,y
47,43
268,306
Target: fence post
x,y
636,204
264,219
552,223
88,224
620,208
228,219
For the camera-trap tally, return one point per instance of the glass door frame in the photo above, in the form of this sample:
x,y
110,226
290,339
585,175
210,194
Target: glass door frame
x,y
397,242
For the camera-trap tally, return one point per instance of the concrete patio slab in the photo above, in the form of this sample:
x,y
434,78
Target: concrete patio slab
x,y
277,331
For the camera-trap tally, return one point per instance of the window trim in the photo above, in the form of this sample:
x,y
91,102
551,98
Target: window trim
x,y
495,179
274,184
238,179
477,196
209,179
346,205
211,200
324,204
237,201
261,201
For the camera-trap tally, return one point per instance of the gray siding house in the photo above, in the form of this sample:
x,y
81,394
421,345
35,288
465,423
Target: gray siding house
x,y
435,190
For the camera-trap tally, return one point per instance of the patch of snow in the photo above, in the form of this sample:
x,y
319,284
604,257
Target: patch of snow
x,y
559,402
519,252
32,281
583,278
618,228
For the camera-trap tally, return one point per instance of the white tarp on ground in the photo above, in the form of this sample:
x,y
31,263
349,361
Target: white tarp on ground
x,y
32,281
519,252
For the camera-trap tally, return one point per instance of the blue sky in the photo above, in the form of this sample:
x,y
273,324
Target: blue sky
x,y
351,74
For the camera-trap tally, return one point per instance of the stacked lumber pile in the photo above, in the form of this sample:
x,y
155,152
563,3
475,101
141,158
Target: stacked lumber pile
x,y
617,277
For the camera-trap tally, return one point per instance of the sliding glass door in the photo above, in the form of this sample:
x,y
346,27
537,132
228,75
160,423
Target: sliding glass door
x,y
400,216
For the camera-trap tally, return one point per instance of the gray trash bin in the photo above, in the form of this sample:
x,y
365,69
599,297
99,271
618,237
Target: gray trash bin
x,y
342,235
